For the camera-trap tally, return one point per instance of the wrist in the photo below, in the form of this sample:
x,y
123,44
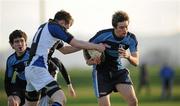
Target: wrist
x,y
129,57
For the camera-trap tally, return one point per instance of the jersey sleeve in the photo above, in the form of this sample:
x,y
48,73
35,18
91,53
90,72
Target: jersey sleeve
x,y
8,84
62,69
133,44
59,32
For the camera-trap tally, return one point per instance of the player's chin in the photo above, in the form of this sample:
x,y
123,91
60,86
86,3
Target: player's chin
x,y
96,63
92,63
20,51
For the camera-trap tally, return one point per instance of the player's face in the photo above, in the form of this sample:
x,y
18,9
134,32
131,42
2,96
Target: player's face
x,y
121,29
68,25
19,45
65,24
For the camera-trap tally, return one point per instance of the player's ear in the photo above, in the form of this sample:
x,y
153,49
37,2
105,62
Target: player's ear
x,y
11,44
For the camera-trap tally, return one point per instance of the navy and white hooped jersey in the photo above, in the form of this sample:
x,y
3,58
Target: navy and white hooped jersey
x,y
15,64
46,36
112,59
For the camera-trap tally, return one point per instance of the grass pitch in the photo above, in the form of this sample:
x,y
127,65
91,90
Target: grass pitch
x,y
82,82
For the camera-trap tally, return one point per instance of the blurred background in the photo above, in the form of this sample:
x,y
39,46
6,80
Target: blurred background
x,y
156,24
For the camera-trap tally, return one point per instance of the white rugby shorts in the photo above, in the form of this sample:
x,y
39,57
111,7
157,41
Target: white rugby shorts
x,y
37,78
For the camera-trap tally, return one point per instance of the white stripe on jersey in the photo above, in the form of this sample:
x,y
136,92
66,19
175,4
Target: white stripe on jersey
x,y
46,41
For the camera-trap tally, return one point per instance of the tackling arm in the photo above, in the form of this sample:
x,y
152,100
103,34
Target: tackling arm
x,y
68,49
86,45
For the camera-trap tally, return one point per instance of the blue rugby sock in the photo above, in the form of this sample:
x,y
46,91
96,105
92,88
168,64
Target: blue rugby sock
x,y
56,104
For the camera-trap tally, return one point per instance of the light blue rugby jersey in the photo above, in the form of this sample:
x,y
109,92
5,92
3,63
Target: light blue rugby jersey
x,y
18,64
112,60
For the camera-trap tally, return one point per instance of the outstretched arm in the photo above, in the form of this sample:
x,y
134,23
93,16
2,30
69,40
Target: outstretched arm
x,y
86,45
68,49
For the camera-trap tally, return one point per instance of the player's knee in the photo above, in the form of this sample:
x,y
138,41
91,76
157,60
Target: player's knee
x,y
32,96
51,88
59,97
54,92
133,101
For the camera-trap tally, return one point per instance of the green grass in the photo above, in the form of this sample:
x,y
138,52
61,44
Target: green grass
x,y
82,83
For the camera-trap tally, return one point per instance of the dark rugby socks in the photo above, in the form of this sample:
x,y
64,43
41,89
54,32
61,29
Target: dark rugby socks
x,y
56,104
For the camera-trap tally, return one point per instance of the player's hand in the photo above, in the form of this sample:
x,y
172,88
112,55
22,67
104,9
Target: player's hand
x,y
12,101
71,90
100,47
92,61
123,53
18,100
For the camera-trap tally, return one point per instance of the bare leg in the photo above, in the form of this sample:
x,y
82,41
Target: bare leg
x,y
104,101
59,97
128,93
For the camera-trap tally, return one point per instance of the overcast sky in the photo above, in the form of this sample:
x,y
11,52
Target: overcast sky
x,y
147,17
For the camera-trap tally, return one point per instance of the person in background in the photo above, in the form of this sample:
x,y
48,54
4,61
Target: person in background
x,y
166,75
143,79
111,75
15,82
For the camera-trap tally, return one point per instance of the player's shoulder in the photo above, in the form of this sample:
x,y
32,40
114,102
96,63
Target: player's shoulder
x,y
132,36
11,57
100,34
54,24
104,31
28,49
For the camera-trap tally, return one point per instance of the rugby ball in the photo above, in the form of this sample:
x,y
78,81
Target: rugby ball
x,y
93,54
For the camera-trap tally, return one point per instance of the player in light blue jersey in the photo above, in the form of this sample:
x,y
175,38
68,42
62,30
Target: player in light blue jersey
x,y
36,72
15,65
111,75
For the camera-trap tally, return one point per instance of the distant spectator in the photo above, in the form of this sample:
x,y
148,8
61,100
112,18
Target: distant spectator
x,y
167,75
143,79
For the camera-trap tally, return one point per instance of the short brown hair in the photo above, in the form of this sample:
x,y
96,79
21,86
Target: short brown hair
x,y
17,34
119,16
63,15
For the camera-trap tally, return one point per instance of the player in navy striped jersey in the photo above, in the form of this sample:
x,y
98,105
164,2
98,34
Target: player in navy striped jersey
x,y
36,72
111,75
55,65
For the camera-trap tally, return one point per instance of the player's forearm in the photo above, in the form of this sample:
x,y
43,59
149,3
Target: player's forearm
x,y
68,49
8,85
133,60
83,44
